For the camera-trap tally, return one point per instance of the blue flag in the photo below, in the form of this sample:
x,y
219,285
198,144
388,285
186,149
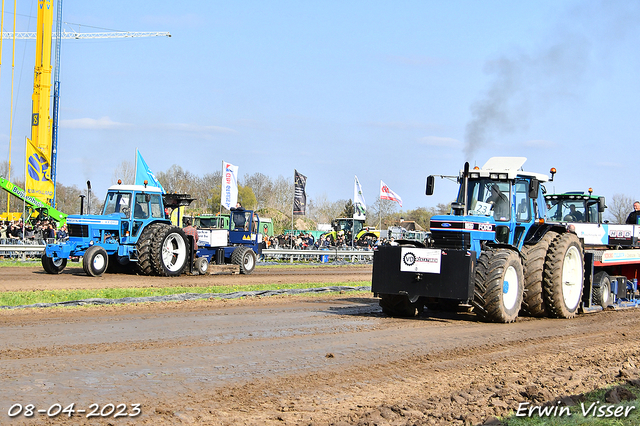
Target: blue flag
x,y
143,172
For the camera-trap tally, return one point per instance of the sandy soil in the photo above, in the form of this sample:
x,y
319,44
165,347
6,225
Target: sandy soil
x,y
296,360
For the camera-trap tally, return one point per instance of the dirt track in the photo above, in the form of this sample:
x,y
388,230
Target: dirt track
x,y
298,360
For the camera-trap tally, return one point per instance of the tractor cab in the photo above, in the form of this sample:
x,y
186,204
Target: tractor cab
x,y
496,203
575,207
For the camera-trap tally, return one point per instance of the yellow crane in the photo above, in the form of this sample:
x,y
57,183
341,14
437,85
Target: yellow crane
x,y
40,178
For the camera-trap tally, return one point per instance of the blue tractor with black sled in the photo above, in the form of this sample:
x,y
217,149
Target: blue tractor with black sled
x,y
497,254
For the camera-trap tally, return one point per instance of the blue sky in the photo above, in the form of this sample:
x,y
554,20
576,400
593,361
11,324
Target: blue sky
x,y
390,91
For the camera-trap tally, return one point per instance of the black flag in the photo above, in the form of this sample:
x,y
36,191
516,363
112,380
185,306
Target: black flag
x,y
299,197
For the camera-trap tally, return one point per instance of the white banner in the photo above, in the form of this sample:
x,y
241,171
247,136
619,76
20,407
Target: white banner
x,y
229,195
388,194
359,206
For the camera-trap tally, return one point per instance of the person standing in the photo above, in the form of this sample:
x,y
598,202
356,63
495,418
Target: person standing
x,y
189,230
635,214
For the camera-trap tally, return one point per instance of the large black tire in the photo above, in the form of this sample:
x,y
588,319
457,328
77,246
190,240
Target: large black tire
x,y
245,258
399,305
169,251
145,264
499,285
53,265
533,257
95,261
564,276
601,289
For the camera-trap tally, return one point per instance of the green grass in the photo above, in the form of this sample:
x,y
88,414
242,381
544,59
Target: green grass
x,y
576,418
27,263
18,298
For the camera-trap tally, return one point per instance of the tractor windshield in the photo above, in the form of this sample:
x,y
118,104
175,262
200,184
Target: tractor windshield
x,y
563,210
118,202
488,197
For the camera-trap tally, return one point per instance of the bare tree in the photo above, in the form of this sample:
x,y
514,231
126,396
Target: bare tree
x,y
126,172
619,208
383,213
262,187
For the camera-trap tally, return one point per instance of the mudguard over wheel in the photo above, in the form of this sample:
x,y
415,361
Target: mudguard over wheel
x,y
95,261
399,305
246,258
533,302
564,276
169,251
499,285
601,289
202,265
53,265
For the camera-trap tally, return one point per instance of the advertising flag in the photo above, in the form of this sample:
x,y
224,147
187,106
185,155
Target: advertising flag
x,y
359,206
229,195
388,194
143,172
299,196
38,174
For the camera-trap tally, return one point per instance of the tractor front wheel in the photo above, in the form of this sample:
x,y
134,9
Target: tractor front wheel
x,y
53,265
499,285
95,261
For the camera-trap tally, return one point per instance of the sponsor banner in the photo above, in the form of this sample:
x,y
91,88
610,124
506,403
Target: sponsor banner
x,y
299,196
387,194
38,182
229,194
592,233
359,206
420,260
620,256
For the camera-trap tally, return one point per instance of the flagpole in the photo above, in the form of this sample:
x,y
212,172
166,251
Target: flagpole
x,y
292,208
220,209
135,170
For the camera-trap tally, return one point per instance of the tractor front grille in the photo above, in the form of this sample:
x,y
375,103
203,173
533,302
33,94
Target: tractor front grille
x,y
81,231
451,240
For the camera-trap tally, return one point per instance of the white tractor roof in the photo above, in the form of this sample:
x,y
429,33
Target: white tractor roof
x,y
135,188
508,165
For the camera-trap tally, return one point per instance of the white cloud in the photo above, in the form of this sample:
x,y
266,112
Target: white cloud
x,y
92,123
439,141
539,143
196,128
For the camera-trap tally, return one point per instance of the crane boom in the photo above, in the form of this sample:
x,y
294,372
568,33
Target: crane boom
x,y
67,35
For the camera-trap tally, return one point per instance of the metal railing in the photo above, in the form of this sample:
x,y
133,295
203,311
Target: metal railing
x,y
323,255
15,248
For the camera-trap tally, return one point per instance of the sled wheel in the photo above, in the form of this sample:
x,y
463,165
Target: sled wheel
x,y
202,265
601,289
399,305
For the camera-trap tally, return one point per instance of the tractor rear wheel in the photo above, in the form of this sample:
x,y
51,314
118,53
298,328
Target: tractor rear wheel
x,y
533,303
246,258
169,251
53,265
499,285
564,276
601,289
145,265
95,261
399,305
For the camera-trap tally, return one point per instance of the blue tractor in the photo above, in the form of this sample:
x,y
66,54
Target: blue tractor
x,y
133,230
494,252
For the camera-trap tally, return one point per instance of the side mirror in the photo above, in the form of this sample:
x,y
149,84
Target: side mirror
x,y
147,197
534,185
601,205
430,184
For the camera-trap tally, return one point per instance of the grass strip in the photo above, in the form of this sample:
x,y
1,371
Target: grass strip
x,y
19,298
590,409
